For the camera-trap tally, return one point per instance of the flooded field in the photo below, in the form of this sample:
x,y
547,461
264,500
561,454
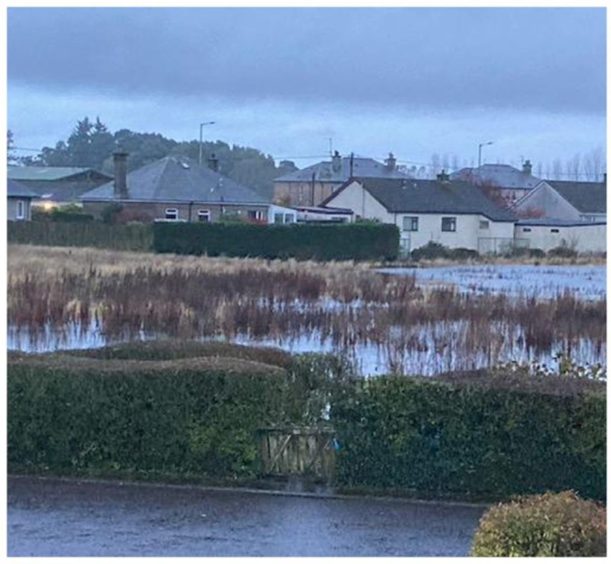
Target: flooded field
x,y
71,518
407,321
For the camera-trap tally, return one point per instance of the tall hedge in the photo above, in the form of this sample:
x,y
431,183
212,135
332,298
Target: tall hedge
x,y
134,237
320,242
188,416
448,438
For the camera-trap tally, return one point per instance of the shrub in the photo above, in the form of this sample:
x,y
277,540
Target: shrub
x,y
562,251
110,212
461,253
469,437
558,524
430,251
320,242
184,416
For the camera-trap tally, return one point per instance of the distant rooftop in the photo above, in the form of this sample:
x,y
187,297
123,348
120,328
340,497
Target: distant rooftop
x,y
586,197
501,175
338,170
47,173
16,190
178,179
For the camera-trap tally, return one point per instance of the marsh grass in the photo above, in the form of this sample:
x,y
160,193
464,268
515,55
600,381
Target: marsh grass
x,y
346,304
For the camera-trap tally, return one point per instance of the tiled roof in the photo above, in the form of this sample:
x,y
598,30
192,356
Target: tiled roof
x,y
501,175
586,197
324,171
433,196
16,190
46,173
178,179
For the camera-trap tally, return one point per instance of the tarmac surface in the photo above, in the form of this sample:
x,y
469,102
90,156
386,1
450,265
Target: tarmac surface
x,y
57,517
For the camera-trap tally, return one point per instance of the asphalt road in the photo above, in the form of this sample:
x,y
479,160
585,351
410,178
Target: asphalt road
x,y
48,517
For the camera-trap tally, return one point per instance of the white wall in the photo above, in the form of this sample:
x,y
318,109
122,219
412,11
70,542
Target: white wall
x,y
288,215
585,238
12,209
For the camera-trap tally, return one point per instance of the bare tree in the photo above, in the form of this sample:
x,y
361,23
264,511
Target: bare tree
x,y
540,169
435,165
454,163
557,169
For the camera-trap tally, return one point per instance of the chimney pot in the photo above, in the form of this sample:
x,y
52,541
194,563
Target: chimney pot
x,y
213,163
391,162
527,167
120,164
336,162
443,177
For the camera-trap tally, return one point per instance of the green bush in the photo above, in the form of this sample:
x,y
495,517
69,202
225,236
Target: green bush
x,y
474,438
430,251
185,416
81,234
320,242
562,251
559,524
461,253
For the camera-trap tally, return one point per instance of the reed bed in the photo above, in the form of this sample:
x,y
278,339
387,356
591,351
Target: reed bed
x,y
347,305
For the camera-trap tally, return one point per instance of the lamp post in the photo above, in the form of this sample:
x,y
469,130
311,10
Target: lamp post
x,y
479,152
201,127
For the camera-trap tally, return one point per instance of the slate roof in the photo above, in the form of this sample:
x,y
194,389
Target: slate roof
x,y
552,222
323,171
431,196
47,173
178,179
16,190
586,197
502,175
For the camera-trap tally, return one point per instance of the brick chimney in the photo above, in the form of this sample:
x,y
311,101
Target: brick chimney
x,y
213,163
391,162
527,167
120,162
336,162
443,177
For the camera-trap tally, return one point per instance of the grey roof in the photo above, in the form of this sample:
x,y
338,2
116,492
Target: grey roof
x,y
47,173
431,196
178,179
501,175
324,171
586,197
546,221
17,190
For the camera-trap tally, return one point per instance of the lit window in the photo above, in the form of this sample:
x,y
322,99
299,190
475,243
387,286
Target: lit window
x,y
171,214
410,224
203,216
448,224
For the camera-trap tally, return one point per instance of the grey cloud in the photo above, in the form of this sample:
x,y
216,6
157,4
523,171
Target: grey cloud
x,y
549,59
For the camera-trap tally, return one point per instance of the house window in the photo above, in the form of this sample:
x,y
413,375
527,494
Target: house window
x,y
410,224
484,225
526,229
289,218
171,214
278,218
20,209
448,224
555,230
255,214
203,216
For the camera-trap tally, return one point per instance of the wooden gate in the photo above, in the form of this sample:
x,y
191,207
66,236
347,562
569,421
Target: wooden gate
x,y
303,451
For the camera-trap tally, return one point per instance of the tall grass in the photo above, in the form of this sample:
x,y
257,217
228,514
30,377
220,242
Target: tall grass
x,y
344,304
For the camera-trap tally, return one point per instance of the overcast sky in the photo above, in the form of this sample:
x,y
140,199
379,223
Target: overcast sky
x,y
414,81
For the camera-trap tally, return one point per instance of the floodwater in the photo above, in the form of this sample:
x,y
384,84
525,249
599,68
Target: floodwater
x,y
52,517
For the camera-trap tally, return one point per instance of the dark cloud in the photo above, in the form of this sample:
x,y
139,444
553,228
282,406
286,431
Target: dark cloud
x,y
548,59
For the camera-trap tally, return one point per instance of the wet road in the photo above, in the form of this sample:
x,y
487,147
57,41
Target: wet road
x,y
48,517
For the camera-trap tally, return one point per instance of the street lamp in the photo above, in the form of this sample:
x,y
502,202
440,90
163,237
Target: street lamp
x,y
201,127
479,153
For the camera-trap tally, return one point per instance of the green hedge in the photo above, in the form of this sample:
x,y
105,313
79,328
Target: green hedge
x,y
196,416
444,438
136,237
321,242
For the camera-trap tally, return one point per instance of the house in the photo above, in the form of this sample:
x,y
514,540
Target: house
x,y
179,189
322,214
562,213
313,184
57,185
453,213
511,183
574,201
19,201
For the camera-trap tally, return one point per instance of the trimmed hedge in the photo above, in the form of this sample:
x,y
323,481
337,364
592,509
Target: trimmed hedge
x,y
462,438
194,416
320,242
559,524
136,237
